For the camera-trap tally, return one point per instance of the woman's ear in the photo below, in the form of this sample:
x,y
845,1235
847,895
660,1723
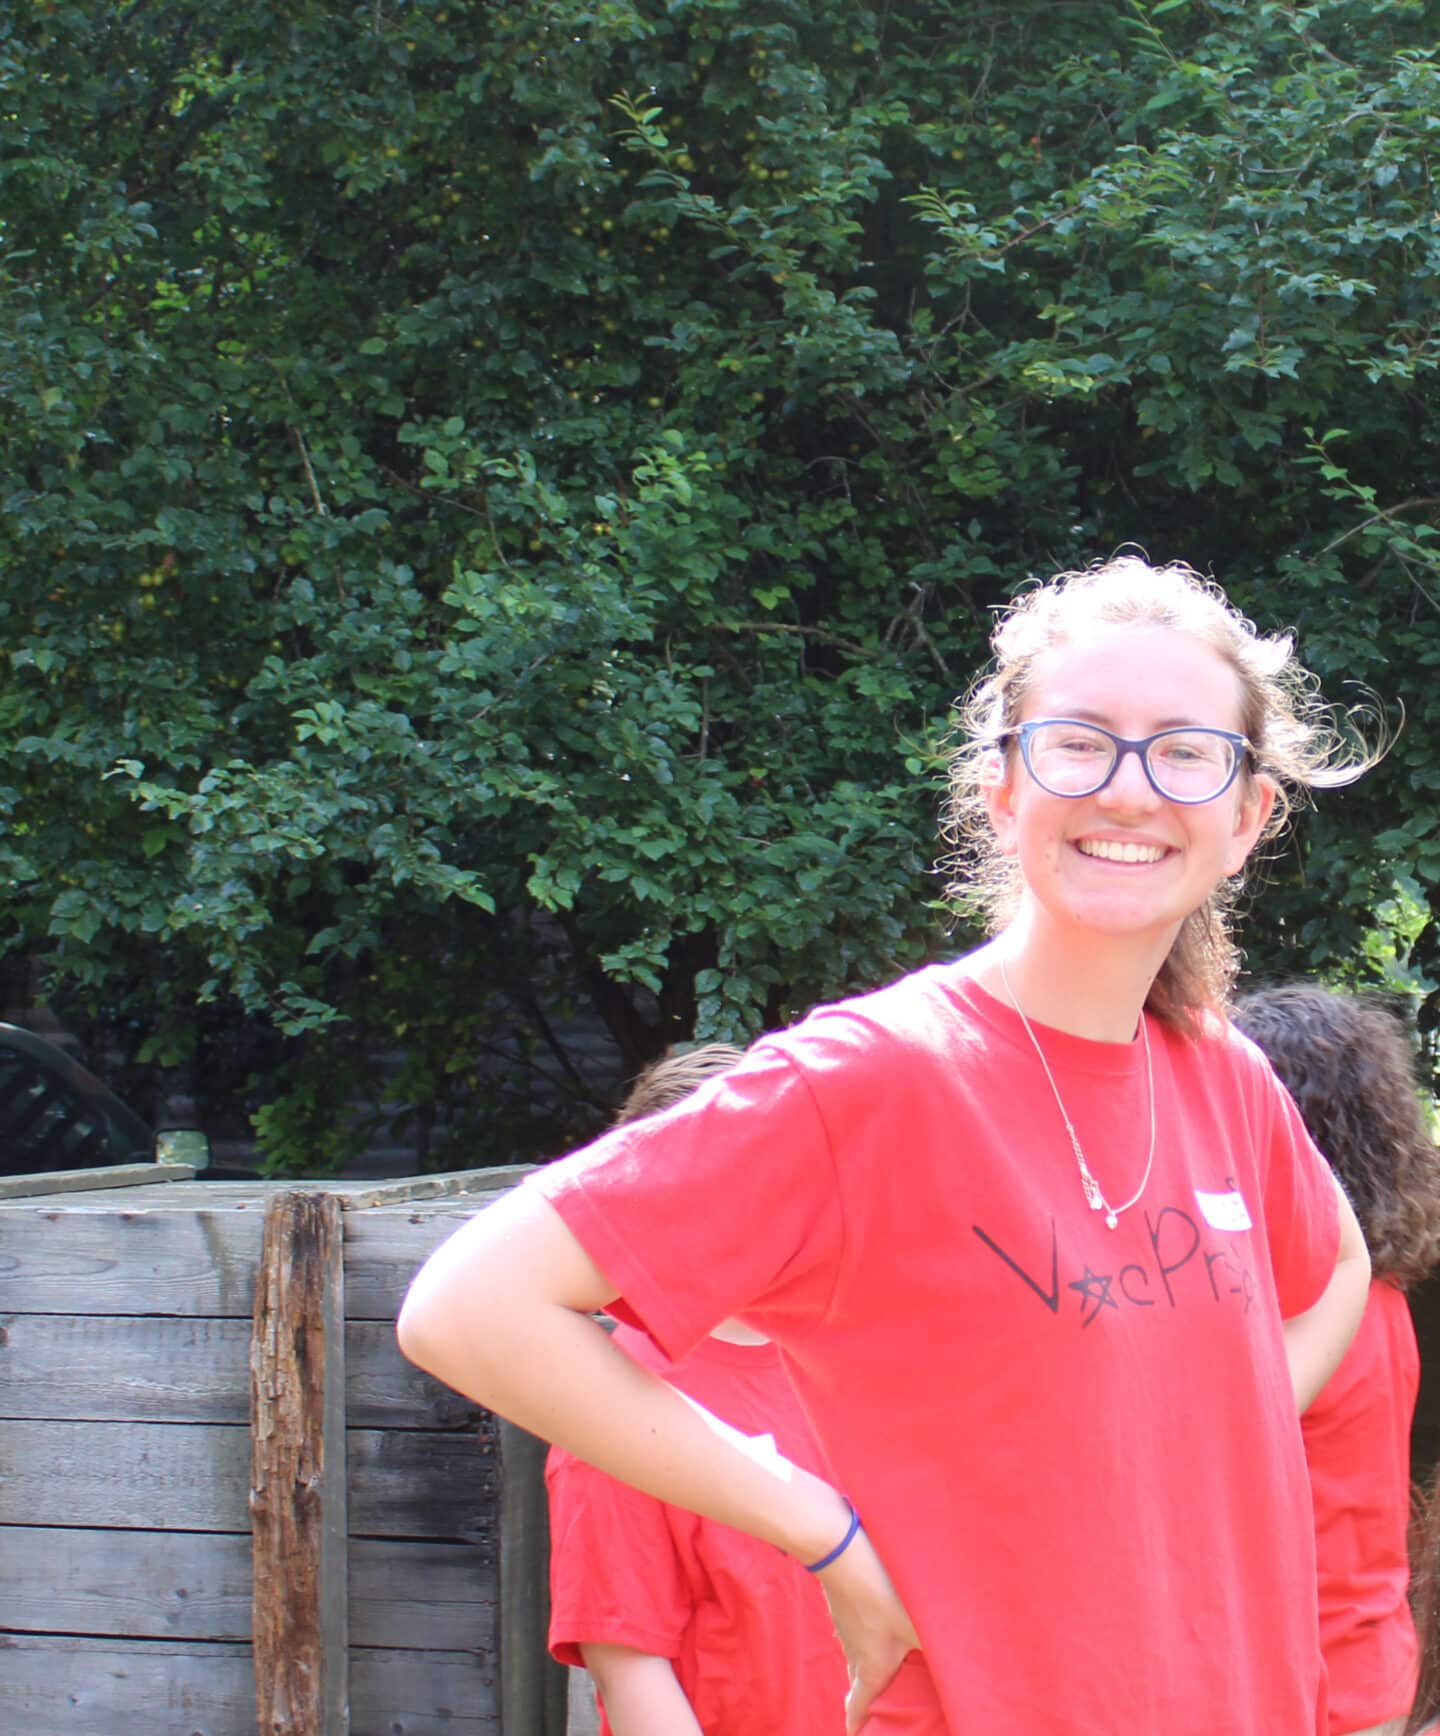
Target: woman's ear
x,y
1252,815
999,792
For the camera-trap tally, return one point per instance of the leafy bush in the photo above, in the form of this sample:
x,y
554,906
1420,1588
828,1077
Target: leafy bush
x,y
501,497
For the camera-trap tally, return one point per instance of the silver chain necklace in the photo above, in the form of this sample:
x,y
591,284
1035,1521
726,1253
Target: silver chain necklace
x,y
1094,1198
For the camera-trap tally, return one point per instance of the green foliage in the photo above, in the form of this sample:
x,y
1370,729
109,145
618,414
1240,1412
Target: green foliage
x,y
500,498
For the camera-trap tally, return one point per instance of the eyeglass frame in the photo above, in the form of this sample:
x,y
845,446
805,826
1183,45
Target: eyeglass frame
x,y
1022,732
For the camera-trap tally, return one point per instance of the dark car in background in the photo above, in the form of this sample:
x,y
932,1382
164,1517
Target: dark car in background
x,y
55,1115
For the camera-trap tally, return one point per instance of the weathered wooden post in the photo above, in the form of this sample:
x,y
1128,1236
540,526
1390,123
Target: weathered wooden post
x,y
299,1610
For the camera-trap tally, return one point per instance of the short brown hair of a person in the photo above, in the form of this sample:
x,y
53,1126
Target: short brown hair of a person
x,y
675,1075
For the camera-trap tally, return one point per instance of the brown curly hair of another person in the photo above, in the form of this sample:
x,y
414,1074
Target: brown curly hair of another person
x,y
1349,1063
1424,1552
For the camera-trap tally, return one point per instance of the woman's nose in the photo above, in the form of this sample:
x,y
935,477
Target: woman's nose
x,y
1129,787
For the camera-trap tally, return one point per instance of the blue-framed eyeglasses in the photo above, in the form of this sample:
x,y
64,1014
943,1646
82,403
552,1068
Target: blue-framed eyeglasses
x,y
1069,758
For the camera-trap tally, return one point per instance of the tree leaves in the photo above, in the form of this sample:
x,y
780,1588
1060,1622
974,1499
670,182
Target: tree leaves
x,y
500,500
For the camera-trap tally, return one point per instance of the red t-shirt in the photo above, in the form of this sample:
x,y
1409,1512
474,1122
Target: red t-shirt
x,y
1075,1448
747,1629
1357,1440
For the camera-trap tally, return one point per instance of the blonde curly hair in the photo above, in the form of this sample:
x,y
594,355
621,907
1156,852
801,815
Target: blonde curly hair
x,y
1291,731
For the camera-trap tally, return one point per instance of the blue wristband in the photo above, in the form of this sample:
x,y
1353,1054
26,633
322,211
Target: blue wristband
x,y
840,1547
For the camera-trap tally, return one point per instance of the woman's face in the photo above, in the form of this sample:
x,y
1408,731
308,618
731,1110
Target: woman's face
x,y
1125,860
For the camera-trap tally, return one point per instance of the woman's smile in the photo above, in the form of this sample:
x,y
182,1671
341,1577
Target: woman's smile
x,y
1121,850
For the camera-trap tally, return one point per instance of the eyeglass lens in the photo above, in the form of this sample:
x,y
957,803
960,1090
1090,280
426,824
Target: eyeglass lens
x,y
1070,759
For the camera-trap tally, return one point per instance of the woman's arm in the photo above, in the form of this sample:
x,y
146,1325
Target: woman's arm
x,y
501,1312
1316,1340
640,1693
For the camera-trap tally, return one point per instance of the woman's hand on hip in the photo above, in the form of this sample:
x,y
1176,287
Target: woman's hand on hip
x,y
872,1624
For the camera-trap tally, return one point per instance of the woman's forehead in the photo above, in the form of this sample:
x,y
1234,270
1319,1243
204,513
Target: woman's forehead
x,y
1111,670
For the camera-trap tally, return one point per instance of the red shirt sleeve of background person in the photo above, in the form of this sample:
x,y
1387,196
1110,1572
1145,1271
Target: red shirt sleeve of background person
x,y
615,1576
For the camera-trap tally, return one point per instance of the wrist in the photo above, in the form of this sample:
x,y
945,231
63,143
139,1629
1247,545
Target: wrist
x,y
817,1520
834,1553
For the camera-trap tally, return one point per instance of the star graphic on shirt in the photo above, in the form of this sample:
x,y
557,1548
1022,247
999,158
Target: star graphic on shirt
x,y
1094,1288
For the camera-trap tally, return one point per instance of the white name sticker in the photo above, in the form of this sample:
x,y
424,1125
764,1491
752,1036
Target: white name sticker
x,y
1224,1211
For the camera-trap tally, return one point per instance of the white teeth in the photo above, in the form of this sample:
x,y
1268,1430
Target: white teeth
x,y
1112,852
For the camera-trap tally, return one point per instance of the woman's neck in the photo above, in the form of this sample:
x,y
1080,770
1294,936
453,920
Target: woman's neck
x,y
1087,984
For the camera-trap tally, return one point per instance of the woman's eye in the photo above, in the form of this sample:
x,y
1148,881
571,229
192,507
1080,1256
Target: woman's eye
x,y
1188,752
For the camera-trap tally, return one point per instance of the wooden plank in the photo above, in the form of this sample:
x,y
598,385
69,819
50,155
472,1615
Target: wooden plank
x,y
53,1181
384,1390
299,1618
422,1596
532,1684
197,1586
127,1584
425,1187
196,1477
160,1368
146,1476
96,1687
89,1261
401,1693
221,1194
409,1483
146,1368
189,1192
384,1249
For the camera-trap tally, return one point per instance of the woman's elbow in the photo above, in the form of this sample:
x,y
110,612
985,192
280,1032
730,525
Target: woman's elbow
x,y
449,1293
476,1304
415,1330
425,1329
462,1345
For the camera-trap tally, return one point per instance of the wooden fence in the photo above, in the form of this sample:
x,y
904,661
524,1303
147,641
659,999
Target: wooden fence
x,y
227,1503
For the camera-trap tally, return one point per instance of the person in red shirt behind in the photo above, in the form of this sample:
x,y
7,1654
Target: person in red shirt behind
x,y
1348,1064
687,1626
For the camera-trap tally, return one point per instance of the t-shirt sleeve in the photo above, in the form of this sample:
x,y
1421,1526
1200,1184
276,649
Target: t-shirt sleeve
x,y
616,1577
725,1204
1302,1213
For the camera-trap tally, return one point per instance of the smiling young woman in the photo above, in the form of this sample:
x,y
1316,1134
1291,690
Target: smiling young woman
x,y
1108,864
1048,1254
